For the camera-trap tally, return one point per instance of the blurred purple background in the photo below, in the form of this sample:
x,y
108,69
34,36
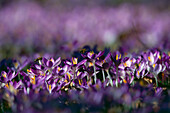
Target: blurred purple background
x,y
28,27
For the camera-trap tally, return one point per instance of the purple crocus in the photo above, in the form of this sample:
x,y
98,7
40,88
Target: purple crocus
x,y
92,58
51,63
6,77
116,59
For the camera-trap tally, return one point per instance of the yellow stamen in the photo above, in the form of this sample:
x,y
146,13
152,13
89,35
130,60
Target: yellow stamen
x,y
153,65
90,64
7,85
49,87
59,69
125,64
16,64
139,64
78,73
124,81
74,60
29,70
33,80
69,76
138,72
66,80
4,75
149,58
91,53
51,60
159,57
80,82
117,57
120,56
71,84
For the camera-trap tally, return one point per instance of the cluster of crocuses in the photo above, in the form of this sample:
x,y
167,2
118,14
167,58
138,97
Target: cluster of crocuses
x,y
92,70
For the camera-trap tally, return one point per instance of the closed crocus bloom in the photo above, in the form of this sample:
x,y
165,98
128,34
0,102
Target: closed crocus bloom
x,y
50,63
116,57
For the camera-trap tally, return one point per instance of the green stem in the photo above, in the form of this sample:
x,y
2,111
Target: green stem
x,y
2,107
95,77
19,77
156,80
111,82
74,74
130,80
103,75
116,77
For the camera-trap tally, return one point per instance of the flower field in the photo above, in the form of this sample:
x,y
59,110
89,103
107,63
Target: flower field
x,y
84,58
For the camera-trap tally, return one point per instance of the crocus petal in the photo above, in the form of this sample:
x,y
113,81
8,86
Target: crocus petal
x,y
158,68
49,64
100,54
11,75
151,58
57,62
44,60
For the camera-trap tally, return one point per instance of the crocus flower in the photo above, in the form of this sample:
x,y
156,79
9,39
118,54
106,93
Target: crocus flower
x,y
51,63
92,58
116,59
6,77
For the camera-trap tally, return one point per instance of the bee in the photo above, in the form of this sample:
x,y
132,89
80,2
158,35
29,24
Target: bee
x,y
39,58
146,81
149,80
83,51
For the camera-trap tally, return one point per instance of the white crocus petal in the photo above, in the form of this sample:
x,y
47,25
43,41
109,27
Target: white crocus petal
x,y
151,58
122,74
163,67
148,67
141,66
138,74
28,90
133,60
121,66
37,66
128,63
57,62
157,68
